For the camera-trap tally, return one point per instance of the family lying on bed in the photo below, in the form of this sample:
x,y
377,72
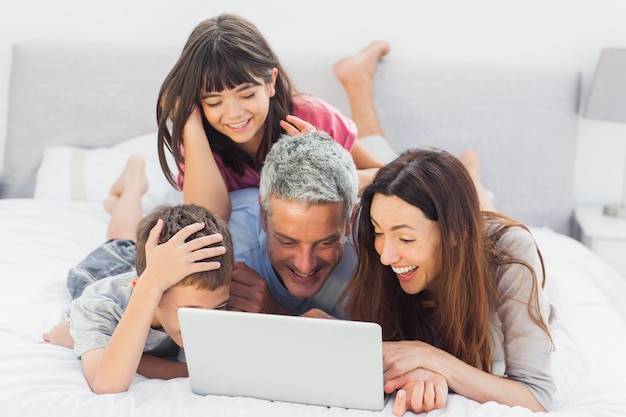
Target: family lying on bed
x,y
475,324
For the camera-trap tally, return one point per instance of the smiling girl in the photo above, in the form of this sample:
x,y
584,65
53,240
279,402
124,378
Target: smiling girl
x,y
226,101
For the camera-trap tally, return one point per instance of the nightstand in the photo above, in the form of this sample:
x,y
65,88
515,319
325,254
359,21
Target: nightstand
x,y
604,235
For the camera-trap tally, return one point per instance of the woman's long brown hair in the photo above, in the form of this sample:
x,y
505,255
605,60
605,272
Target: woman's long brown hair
x,y
455,312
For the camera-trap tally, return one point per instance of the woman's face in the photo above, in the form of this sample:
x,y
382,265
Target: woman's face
x,y
406,241
240,113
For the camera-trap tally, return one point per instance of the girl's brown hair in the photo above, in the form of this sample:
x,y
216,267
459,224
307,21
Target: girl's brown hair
x,y
221,53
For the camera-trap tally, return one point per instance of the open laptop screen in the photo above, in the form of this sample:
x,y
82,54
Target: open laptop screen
x,y
284,358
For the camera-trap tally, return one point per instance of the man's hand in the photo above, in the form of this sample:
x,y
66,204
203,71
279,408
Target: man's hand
x,y
249,292
317,313
60,335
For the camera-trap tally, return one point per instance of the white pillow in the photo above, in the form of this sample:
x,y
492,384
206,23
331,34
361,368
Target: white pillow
x,y
74,173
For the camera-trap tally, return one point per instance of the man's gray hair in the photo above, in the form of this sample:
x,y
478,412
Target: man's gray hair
x,y
311,168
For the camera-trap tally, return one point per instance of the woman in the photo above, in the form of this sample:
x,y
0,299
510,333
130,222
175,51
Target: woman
x,y
458,292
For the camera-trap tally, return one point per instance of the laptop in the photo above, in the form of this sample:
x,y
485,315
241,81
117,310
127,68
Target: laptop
x,y
333,363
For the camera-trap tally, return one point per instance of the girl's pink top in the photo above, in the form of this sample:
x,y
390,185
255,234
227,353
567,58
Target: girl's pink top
x,y
308,108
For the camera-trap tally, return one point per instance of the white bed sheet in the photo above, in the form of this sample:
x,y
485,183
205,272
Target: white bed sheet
x,y
40,240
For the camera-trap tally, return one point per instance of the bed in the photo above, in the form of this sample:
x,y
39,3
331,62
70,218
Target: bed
x,y
77,110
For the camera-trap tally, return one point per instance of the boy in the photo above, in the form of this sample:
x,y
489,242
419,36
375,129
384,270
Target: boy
x,y
115,316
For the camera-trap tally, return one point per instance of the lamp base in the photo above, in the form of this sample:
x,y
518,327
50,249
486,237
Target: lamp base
x,y
615,210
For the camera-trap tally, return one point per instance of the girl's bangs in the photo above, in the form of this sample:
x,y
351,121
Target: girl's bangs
x,y
225,74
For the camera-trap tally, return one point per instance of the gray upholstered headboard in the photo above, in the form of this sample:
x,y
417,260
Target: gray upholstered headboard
x,y
80,94
522,121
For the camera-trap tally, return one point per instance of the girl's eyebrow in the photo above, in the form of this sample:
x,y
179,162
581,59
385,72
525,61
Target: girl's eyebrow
x,y
239,88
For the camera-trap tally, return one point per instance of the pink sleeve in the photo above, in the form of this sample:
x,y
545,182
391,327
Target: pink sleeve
x,y
309,108
327,118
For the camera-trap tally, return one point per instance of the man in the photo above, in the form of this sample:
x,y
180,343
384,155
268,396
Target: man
x,y
293,254
291,235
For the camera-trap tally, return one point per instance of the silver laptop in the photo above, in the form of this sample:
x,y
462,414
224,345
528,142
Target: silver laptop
x,y
334,363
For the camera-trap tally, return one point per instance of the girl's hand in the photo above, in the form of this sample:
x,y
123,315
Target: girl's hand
x,y
418,390
193,123
294,126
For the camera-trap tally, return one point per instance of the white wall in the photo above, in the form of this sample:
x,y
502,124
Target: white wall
x,y
565,33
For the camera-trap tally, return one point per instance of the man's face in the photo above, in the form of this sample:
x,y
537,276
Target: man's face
x,y
304,243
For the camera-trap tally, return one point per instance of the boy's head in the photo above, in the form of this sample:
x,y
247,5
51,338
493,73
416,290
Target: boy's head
x,y
208,289
174,219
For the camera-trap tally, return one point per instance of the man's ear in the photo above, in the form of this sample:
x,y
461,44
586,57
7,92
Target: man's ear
x,y
263,217
352,219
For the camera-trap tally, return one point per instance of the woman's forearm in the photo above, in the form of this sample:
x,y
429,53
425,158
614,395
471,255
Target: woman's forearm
x,y
481,386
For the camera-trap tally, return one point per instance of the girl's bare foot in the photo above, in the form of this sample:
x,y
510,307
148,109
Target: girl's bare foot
x,y
361,68
132,179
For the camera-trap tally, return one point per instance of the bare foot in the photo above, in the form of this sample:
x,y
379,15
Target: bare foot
x,y
133,178
59,335
471,161
361,68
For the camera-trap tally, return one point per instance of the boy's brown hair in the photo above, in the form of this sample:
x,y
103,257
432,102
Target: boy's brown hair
x,y
174,219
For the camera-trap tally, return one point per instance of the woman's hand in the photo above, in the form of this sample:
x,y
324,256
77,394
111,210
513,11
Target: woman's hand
x,y
402,357
418,390
406,369
294,125
402,361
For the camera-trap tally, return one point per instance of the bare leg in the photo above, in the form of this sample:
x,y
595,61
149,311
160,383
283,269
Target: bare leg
x,y
124,200
356,73
471,160
124,204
